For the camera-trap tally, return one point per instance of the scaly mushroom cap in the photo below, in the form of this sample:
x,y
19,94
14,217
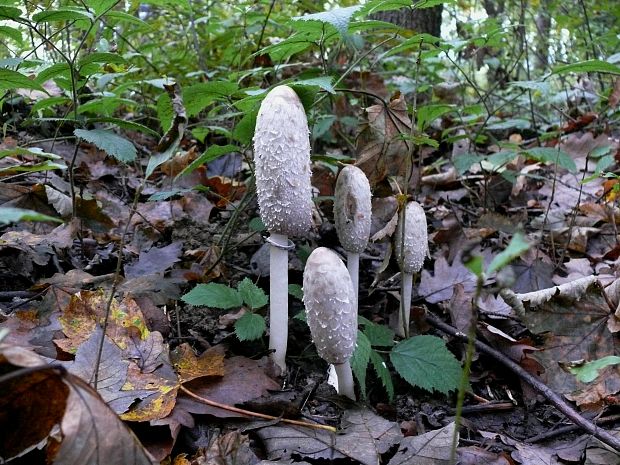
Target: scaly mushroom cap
x,y
282,160
352,209
416,239
330,306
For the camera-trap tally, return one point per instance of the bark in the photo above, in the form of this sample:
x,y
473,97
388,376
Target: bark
x,y
421,20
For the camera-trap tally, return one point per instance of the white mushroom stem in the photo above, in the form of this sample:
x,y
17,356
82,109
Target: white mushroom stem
x,y
345,379
278,295
353,265
405,304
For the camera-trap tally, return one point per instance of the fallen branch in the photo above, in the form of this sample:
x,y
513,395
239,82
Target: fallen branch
x,y
557,401
249,413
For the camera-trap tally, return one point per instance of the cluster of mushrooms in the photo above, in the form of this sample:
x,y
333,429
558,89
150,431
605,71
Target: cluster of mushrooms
x,y
282,164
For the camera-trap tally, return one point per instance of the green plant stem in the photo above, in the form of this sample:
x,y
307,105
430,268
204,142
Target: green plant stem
x,y
469,356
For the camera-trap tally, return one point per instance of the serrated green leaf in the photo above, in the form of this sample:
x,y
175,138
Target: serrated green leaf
x,y
337,17
212,153
589,371
378,335
213,295
589,66
116,146
250,327
551,155
61,14
252,295
10,79
199,96
14,215
360,360
165,112
426,362
296,291
383,373
12,33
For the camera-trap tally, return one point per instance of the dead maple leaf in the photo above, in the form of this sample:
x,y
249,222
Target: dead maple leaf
x,y
439,286
155,260
432,448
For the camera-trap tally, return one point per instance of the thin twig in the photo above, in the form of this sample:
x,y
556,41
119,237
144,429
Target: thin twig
x,y
557,401
230,408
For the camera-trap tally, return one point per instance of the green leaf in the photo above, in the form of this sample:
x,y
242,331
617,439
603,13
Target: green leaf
x,y
429,113
212,153
517,246
252,295
551,155
199,96
10,79
463,162
360,360
378,335
288,47
104,105
257,225
57,69
244,130
116,146
61,14
250,327
514,123
47,165
426,362
296,291
122,16
102,57
164,195
50,102
12,33
165,112
14,215
383,373
476,265
589,371
9,12
323,82
337,17
213,295
122,123
589,66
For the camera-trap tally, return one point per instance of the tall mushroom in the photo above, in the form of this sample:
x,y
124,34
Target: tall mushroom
x,y
352,215
330,303
282,164
411,243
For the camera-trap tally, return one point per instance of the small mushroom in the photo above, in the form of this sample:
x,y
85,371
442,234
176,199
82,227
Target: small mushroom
x,y
411,244
352,215
282,163
330,303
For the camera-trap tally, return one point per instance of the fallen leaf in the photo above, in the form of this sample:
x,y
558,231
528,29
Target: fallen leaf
x,y
432,448
365,436
474,455
155,260
439,286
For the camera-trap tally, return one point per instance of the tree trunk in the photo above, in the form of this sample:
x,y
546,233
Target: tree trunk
x,y
420,20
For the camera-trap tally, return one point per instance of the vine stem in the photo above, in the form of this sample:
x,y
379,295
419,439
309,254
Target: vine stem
x,y
249,413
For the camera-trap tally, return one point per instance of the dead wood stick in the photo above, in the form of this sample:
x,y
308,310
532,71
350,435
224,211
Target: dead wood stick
x,y
568,429
488,407
557,401
231,408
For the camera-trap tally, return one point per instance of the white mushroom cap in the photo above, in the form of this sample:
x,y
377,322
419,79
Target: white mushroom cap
x,y
416,239
352,209
330,306
282,159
